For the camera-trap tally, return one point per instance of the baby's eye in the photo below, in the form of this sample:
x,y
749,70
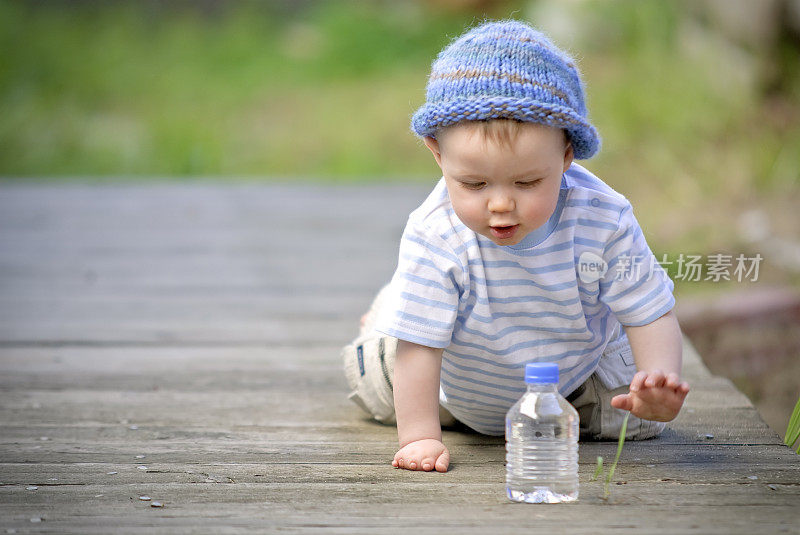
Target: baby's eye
x,y
473,185
529,183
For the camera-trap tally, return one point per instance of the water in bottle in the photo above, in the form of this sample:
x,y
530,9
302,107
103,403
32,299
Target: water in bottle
x,y
542,441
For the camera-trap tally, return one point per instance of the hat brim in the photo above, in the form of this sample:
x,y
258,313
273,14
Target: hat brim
x,y
433,116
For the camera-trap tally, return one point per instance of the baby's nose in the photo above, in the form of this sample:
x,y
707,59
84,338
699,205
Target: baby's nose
x,y
501,203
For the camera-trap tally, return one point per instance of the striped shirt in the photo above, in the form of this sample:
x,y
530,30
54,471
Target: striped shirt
x,y
560,295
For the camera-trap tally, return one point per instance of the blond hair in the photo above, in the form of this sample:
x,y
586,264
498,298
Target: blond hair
x,y
501,131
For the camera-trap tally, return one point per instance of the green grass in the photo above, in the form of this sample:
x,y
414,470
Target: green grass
x,y
793,429
326,90
599,469
252,91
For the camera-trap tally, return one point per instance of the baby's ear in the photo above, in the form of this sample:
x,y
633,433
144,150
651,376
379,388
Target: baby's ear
x,y
569,156
433,146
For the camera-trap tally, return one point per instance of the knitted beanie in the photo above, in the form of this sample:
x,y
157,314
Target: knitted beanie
x,y
507,69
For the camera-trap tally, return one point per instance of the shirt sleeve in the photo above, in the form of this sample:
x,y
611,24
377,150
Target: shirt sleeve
x,y
422,301
635,287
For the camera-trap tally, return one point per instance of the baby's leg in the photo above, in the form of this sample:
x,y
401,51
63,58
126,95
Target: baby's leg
x,y
600,421
368,320
369,368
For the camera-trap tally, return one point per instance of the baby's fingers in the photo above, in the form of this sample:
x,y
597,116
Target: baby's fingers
x,y
427,464
622,401
443,461
655,379
401,460
638,381
408,464
673,380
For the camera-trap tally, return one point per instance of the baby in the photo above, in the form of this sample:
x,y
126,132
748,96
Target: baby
x,y
518,255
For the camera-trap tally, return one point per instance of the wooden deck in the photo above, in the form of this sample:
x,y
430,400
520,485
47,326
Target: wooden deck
x,y
182,342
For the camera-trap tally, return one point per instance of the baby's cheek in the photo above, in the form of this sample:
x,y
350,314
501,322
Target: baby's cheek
x,y
538,213
473,214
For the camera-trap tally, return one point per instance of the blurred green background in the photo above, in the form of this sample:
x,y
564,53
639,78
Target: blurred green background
x,y
698,102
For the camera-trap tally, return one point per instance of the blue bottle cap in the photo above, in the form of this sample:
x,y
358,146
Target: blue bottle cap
x,y
541,372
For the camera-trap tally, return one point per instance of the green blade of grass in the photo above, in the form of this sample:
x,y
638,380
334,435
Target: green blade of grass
x,y
794,420
619,451
599,470
793,429
793,438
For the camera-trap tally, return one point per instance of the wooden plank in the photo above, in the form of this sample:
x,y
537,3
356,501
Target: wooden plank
x,y
169,444
152,332
262,402
81,264
157,388
371,520
672,507
193,491
166,467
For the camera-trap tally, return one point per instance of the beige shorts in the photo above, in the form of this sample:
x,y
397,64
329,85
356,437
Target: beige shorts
x,y
369,367
598,419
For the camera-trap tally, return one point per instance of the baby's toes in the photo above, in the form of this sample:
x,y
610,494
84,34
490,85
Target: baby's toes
x,y
427,464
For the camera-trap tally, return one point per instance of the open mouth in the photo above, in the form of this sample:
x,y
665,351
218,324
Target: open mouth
x,y
504,232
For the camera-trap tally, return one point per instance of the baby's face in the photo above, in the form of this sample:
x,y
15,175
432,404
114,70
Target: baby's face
x,y
502,192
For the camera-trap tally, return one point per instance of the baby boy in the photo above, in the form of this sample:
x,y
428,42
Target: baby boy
x,y
517,255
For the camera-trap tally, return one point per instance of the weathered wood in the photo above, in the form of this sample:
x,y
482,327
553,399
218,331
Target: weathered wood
x,y
165,468
200,326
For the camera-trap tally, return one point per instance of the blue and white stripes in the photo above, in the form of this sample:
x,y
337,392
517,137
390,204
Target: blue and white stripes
x,y
495,308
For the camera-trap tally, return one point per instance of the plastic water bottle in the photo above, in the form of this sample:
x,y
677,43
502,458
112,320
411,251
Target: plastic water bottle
x,y
542,441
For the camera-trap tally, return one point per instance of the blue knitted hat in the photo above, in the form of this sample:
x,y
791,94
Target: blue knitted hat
x,y
506,69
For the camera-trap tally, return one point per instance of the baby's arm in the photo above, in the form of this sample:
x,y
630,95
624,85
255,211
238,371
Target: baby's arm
x,y
656,391
416,405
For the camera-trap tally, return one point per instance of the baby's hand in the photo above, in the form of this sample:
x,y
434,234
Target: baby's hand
x,y
425,454
653,396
